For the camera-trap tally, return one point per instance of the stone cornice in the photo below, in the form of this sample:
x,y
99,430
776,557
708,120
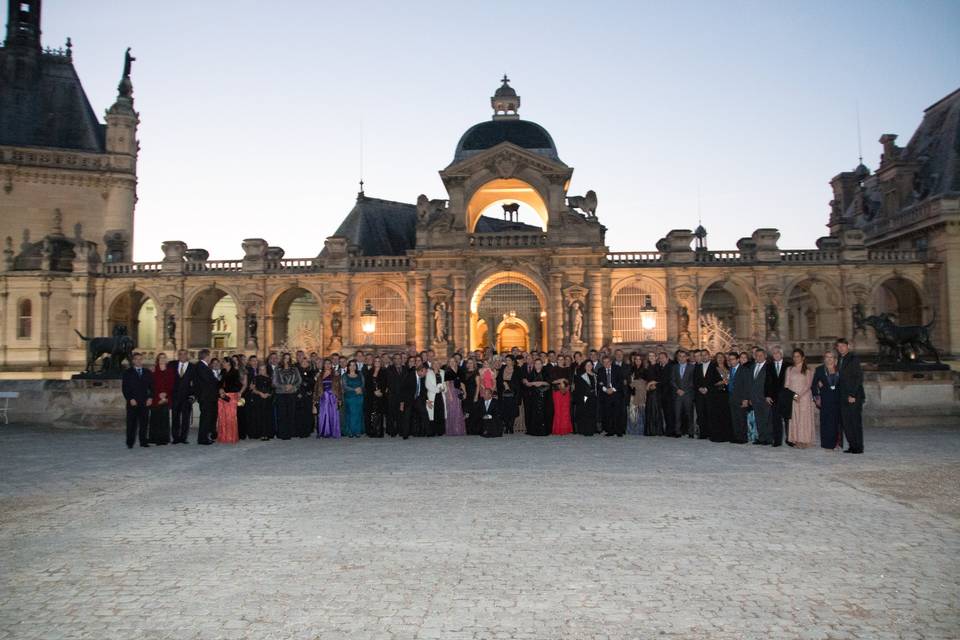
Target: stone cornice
x,y
63,159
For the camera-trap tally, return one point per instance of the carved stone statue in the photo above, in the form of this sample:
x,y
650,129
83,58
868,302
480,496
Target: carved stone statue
x,y
127,62
427,207
576,322
336,325
858,316
773,320
440,321
252,325
586,203
119,347
903,344
683,319
171,328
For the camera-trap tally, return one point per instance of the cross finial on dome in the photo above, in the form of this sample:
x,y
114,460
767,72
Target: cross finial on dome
x,y
505,101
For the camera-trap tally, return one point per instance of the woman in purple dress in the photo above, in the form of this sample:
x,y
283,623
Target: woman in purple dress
x,y
455,423
327,409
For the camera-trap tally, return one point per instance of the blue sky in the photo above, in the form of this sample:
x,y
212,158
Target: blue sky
x,y
253,112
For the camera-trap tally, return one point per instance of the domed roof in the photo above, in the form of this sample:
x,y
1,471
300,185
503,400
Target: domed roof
x,y
523,133
505,90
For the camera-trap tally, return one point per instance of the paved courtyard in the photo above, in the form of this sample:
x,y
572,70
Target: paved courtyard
x,y
471,538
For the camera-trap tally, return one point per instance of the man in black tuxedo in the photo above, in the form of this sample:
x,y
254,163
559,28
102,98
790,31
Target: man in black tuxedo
x,y
682,390
410,389
702,366
782,408
184,395
394,378
207,388
490,418
137,387
762,392
851,396
739,389
613,413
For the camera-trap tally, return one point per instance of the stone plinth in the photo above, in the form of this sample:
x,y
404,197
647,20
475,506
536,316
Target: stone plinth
x,y
910,398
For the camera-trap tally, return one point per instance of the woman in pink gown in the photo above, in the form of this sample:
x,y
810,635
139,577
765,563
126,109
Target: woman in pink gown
x,y
799,381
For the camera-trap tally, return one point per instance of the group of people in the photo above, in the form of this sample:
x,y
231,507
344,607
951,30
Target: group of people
x,y
735,397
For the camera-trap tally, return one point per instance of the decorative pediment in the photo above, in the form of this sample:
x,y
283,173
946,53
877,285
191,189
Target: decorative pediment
x,y
575,293
440,294
505,161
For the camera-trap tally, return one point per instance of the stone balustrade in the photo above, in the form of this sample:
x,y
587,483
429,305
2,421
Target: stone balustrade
x,y
512,240
379,263
632,258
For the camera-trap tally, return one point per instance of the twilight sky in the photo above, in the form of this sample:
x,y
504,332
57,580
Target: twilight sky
x,y
254,113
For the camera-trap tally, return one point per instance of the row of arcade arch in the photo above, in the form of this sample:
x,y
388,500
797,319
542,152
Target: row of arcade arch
x,y
507,309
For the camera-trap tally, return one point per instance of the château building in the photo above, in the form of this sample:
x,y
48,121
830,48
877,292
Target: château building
x,y
453,272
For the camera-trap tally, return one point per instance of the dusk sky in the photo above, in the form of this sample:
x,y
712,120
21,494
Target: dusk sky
x,y
253,112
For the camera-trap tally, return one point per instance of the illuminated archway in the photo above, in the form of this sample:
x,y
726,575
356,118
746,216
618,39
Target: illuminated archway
x,y
502,300
137,311
512,332
504,191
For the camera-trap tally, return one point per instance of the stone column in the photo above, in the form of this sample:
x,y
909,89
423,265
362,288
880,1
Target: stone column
x,y
460,313
951,267
45,323
421,335
555,319
596,310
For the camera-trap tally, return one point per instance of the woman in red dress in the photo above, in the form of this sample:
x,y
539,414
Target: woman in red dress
x,y
163,380
560,379
231,384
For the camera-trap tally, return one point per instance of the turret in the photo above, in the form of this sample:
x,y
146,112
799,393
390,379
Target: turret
x,y
122,144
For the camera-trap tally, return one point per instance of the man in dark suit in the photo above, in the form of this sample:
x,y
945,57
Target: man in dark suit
x,y
851,396
409,390
762,391
667,396
137,387
613,411
682,390
207,388
490,418
394,380
739,388
702,366
782,408
184,395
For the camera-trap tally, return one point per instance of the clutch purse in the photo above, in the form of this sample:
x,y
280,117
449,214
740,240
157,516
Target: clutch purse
x,y
241,402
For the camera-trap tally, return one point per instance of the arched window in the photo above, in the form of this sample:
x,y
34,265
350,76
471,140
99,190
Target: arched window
x,y
628,309
24,319
391,311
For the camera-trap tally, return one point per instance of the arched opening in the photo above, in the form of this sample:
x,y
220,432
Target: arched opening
x,y
213,320
25,318
628,317
902,298
507,308
719,306
391,329
812,312
137,312
297,321
513,332
489,198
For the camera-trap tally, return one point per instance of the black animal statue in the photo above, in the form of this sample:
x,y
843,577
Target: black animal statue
x,y
898,342
119,347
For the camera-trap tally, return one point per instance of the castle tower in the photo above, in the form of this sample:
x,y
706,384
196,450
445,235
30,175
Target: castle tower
x,y
121,142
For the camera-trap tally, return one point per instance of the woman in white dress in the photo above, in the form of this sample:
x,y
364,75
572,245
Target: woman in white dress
x,y
436,405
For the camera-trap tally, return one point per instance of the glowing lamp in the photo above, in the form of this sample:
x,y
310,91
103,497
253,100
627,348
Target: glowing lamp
x,y
368,320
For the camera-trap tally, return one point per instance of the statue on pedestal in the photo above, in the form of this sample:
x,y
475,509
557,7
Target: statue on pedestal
x,y
440,322
773,322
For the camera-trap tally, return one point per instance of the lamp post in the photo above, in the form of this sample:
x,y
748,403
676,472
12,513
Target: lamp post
x,y
648,317
368,322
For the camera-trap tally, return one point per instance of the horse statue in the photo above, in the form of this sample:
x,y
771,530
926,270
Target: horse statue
x,y
897,341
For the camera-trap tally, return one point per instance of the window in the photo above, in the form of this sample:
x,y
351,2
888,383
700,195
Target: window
x,y
391,316
628,309
24,319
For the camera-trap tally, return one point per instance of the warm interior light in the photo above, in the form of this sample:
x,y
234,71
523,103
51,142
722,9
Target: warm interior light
x,y
504,191
368,319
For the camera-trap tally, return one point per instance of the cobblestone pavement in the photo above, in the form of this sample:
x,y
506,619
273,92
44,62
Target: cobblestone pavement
x,y
469,538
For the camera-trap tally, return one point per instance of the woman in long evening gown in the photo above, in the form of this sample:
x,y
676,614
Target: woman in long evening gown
x,y
328,397
286,383
375,398
454,423
718,400
261,413
585,399
352,384
164,378
304,404
826,394
654,374
539,397
471,394
230,387
436,399
508,391
638,396
799,380
560,385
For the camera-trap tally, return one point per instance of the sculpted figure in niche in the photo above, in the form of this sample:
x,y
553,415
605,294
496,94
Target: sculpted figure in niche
x,y
440,321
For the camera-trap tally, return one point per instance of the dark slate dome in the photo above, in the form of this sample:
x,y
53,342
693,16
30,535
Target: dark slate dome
x,y
523,133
